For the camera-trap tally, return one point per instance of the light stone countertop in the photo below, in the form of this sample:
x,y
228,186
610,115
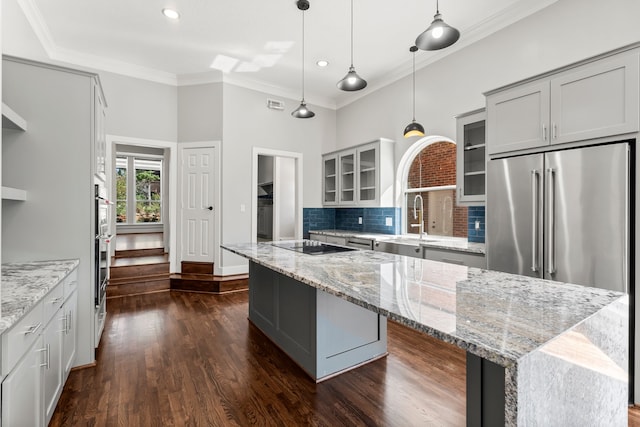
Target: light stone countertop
x,y
25,283
498,316
459,244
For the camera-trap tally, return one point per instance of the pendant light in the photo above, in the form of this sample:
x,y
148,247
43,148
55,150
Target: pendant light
x,y
352,81
302,112
439,35
414,128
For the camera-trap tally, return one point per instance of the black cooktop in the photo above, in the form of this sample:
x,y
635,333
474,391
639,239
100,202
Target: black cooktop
x,y
312,247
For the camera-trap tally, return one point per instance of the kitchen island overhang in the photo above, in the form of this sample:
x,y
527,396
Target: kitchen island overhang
x,y
549,353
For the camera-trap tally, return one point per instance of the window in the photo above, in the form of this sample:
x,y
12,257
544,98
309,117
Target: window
x,y
121,189
148,190
431,185
138,190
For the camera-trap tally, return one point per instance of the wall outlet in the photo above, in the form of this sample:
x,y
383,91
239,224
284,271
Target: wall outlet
x,y
477,225
243,207
359,220
389,221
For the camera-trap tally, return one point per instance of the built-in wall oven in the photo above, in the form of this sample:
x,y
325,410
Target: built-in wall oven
x,y
102,240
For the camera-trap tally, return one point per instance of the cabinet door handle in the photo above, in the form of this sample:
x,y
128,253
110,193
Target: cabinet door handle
x,y
551,214
555,131
544,132
47,359
56,300
534,219
33,329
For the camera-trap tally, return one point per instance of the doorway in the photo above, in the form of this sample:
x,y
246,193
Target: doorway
x,y
277,196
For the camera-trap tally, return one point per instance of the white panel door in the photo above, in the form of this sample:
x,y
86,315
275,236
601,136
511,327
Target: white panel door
x,y
198,210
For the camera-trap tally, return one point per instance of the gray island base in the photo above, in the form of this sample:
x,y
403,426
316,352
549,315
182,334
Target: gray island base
x,y
325,335
539,353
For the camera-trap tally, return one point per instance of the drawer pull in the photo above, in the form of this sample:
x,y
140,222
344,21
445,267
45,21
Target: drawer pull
x,y
33,329
56,300
47,362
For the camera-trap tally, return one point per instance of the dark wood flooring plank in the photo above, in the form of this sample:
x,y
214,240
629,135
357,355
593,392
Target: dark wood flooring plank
x,y
191,359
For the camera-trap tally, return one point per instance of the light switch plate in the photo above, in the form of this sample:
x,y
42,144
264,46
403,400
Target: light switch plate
x,y
477,225
359,220
389,221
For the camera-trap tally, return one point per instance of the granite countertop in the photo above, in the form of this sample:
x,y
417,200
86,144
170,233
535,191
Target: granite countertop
x,y
459,244
498,316
25,283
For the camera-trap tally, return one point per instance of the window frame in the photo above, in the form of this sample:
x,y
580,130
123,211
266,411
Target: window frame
x,y
132,200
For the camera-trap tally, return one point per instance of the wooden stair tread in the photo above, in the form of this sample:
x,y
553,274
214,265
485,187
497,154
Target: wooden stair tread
x,y
140,260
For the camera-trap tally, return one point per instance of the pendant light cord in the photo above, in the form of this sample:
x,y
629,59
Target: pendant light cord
x,y
303,56
437,7
351,33
414,86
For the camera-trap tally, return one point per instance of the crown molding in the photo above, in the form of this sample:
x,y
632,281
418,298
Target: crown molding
x,y
470,35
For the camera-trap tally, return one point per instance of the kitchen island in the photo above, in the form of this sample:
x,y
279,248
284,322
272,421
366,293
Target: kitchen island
x,y
538,352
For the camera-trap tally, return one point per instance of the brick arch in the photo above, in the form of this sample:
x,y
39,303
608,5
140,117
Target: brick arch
x,y
435,166
438,166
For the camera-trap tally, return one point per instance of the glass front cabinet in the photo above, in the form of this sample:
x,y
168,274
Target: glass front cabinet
x,y
359,176
330,180
471,158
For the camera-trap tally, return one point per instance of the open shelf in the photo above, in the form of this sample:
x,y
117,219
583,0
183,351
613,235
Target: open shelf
x,y
9,193
12,120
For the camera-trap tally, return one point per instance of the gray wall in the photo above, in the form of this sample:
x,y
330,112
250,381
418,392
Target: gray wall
x,y
200,112
139,108
568,31
249,123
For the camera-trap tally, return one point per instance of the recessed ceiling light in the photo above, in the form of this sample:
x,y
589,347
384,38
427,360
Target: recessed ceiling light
x,y
170,13
322,63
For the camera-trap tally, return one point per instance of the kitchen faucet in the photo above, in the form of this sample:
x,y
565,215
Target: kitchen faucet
x,y
419,215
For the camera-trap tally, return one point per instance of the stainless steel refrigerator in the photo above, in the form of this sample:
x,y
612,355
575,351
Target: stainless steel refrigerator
x,y
562,215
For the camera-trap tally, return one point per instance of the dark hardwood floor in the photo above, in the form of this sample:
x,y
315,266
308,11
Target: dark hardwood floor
x,y
191,359
175,358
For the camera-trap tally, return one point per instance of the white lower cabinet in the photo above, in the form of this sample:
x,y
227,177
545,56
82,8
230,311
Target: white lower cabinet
x,y
37,355
52,360
21,391
70,334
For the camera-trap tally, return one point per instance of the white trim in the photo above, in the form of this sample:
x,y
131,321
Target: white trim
x,y
217,223
257,151
402,173
425,189
170,225
232,270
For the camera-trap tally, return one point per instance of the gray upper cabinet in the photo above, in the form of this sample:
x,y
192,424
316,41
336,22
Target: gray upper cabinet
x,y
471,161
359,176
596,99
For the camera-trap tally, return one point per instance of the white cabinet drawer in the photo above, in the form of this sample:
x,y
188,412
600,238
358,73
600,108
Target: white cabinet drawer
x,y
20,337
52,302
70,283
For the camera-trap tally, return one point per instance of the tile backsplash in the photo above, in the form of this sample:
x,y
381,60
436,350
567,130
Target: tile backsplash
x,y
374,220
475,213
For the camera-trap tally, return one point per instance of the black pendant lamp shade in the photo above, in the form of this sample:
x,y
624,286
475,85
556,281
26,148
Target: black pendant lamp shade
x,y
352,81
439,34
302,112
414,128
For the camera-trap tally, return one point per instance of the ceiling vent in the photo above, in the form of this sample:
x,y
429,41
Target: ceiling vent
x,y
275,105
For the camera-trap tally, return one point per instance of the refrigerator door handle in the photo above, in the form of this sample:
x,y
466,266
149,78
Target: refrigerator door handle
x,y
534,217
551,213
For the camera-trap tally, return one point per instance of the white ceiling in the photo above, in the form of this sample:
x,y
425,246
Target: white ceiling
x,y
263,36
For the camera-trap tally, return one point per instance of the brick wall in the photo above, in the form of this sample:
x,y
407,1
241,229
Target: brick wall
x,y
438,163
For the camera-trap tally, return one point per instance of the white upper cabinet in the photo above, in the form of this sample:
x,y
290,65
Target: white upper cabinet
x,y
330,180
359,176
518,118
597,99
471,161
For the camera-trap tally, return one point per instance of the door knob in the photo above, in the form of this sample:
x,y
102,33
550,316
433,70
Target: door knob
x,y
210,208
